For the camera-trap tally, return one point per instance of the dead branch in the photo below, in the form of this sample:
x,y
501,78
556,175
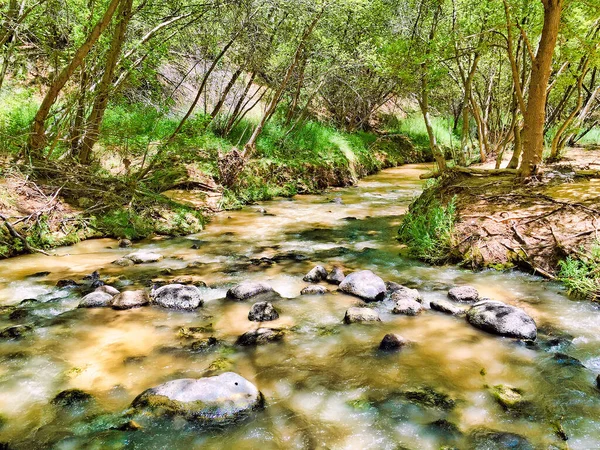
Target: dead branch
x,y
15,234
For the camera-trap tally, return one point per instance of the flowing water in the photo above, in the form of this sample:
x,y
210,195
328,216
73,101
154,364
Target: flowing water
x,y
325,384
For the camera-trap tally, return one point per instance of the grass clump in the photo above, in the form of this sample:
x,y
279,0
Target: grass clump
x,y
427,230
581,276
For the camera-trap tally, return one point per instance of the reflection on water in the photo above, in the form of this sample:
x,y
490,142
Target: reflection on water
x,y
326,385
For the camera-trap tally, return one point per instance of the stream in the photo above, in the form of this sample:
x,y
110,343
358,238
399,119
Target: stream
x,y
325,384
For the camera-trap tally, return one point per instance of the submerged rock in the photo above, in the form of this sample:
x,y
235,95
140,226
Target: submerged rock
x,y
316,274
218,399
71,397
314,289
260,336
464,294
107,289
66,283
248,289
500,318
130,299
429,397
16,332
566,360
204,344
96,299
263,312
407,307
447,307
392,342
357,315
364,284
486,439
508,397
144,257
336,276
123,262
177,296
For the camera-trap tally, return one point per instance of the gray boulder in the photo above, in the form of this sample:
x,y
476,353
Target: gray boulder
x,y
358,315
336,276
314,289
123,262
464,294
130,299
107,289
392,341
407,307
248,289
316,274
500,318
177,296
260,336
219,399
96,299
124,243
447,307
364,284
143,257
404,293
262,312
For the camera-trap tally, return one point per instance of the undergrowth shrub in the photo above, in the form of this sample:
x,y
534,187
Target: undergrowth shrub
x,y
427,230
581,276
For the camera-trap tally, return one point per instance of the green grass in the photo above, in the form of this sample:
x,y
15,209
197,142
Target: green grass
x,y
414,128
592,138
427,230
581,276
17,110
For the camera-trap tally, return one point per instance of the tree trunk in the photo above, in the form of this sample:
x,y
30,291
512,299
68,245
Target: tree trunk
x,y
223,97
534,116
104,87
238,105
37,138
251,144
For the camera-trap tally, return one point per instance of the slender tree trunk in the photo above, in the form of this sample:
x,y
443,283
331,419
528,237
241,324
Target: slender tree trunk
x,y
518,150
238,105
534,116
37,138
104,87
224,94
251,144
292,109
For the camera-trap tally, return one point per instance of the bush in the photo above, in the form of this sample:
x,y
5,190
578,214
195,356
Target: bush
x,y
427,231
582,277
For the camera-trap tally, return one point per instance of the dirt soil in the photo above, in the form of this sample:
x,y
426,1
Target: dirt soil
x,y
502,221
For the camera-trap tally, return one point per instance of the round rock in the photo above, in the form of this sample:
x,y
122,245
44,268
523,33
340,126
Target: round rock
x,y
223,398
248,289
464,294
358,315
392,341
263,312
336,276
403,293
107,289
130,299
407,307
316,274
96,299
177,296
364,284
260,336
447,307
144,257
314,289
500,318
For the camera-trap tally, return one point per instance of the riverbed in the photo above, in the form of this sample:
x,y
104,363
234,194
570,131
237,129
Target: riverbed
x,y
325,384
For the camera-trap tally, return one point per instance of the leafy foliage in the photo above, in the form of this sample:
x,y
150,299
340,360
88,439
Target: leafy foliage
x,y
427,230
582,277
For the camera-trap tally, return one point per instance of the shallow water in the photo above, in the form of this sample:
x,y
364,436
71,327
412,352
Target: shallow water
x,y
326,385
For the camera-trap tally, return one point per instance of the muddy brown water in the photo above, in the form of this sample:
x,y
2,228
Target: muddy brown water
x,y
325,385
